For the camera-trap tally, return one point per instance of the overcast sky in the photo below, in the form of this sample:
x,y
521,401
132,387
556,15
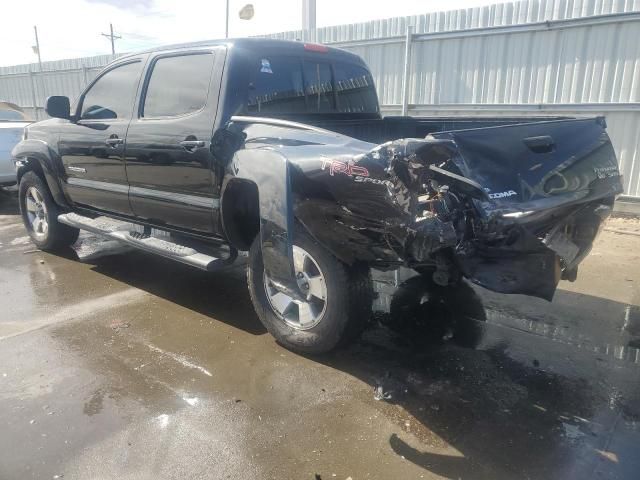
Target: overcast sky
x,y
71,28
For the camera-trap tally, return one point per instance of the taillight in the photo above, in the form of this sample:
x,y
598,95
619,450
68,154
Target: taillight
x,y
316,47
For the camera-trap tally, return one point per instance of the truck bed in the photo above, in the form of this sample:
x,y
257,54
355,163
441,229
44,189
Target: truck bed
x,y
380,130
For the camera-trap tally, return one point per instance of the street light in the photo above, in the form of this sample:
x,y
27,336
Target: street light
x,y
245,13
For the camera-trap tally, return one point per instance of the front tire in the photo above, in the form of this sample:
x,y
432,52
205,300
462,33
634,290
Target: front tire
x,y
338,304
40,215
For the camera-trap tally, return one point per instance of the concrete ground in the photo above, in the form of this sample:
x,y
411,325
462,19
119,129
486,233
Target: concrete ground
x,y
130,366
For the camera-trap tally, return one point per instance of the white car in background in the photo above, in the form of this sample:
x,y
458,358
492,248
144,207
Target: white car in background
x,y
12,123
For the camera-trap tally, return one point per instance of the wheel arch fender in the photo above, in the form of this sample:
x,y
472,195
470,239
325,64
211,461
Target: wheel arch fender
x,y
240,212
266,173
37,156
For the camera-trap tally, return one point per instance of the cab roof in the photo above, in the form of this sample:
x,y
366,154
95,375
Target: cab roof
x,y
252,44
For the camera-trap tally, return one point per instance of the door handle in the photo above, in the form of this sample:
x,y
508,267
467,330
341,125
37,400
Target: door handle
x,y
191,145
114,141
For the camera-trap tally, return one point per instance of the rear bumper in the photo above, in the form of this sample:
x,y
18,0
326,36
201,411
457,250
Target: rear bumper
x,y
531,259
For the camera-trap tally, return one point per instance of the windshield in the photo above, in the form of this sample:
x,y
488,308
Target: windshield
x,y
291,84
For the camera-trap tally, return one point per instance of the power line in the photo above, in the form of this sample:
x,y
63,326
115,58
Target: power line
x,y
112,37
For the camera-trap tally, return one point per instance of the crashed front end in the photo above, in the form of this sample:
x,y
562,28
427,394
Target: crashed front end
x,y
513,209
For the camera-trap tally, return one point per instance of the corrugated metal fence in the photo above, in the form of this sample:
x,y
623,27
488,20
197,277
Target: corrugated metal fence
x,y
27,86
565,57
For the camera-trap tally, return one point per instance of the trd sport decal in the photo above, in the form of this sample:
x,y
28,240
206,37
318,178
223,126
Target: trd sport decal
x,y
356,172
336,166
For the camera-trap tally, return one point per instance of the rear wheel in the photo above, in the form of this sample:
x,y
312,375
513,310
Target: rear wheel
x,y
40,215
335,308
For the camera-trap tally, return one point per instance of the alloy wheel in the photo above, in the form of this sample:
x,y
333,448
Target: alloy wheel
x,y
301,314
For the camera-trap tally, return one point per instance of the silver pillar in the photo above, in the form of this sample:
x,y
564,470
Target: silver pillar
x,y
407,70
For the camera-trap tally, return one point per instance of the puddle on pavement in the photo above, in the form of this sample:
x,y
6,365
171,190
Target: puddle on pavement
x,y
423,312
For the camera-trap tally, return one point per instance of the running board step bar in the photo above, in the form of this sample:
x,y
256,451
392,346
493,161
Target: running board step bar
x,y
131,234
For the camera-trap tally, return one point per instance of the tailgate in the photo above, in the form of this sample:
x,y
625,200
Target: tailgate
x,y
541,165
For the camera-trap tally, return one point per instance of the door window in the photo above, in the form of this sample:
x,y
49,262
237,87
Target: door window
x,y
112,96
178,85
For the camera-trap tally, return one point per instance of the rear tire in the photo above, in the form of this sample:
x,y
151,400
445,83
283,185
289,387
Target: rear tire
x,y
340,319
40,215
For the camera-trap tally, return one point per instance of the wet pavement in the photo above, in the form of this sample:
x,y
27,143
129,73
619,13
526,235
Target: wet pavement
x,y
131,366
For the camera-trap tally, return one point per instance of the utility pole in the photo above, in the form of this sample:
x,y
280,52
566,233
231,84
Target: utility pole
x,y
37,47
309,20
112,37
32,76
226,24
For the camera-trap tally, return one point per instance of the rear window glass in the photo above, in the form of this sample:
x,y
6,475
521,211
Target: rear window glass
x,y
355,91
291,84
178,85
277,86
318,87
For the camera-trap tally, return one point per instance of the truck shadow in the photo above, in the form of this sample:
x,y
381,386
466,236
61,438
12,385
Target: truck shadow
x,y
474,414
222,295
492,399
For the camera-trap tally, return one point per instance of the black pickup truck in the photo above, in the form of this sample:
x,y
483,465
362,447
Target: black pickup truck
x,y
277,148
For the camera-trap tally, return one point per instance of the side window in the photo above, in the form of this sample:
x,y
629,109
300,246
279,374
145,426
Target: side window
x,y
318,86
113,94
276,86
178,85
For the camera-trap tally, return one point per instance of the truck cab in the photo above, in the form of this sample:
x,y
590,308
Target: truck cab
x,y
136,143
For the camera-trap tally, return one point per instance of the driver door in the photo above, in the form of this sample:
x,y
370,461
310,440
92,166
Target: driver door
x,y
92,147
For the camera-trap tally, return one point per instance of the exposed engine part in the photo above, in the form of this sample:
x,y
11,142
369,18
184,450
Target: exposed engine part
x,y
432,234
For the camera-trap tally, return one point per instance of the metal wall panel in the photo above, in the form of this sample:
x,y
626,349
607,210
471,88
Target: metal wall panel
x,y
512,13
595,64
97,61
570,57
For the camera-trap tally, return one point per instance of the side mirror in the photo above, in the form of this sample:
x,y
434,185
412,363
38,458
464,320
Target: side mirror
x,y
58,107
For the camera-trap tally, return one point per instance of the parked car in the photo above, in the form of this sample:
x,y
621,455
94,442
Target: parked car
x,y
12,123
278,148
